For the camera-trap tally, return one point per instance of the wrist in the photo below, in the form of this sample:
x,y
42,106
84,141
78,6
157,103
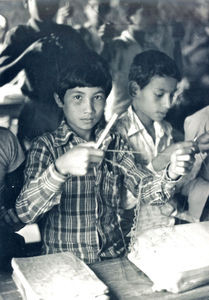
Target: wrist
x,y
171,174
59,170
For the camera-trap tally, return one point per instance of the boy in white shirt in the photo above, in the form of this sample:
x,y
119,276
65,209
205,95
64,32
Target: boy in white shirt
x,y
153,79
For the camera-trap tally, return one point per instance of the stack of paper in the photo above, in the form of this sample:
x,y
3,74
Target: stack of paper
x,y
175,258
57,276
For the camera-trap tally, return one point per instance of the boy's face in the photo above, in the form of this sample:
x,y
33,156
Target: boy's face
x,y
42,10
83,108
152,102
91,11
139,20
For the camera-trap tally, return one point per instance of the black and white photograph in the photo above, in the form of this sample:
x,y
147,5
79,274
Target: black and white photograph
x,y
104,149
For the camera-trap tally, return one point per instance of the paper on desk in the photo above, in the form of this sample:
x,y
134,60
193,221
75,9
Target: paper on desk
x,y
59,276
174,258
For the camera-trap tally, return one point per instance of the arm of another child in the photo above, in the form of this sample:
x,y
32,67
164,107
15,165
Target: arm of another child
x,y
10,70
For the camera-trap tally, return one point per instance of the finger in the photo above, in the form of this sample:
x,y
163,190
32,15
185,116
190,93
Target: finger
x,y
184,157
203,147
181,170
96,158
185,144
88,145
204,138
185,151
184,164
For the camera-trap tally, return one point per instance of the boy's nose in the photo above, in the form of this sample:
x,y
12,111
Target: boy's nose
x,y
89,107
166,101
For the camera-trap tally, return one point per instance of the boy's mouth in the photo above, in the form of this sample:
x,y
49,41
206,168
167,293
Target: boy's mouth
x,y
87,120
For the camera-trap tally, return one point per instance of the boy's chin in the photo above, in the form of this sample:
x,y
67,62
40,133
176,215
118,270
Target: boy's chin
x,y
160,117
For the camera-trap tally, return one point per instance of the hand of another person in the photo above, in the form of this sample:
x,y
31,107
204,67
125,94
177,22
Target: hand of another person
x,y
182,160
106,31
65,13
203,142
204,172
77,161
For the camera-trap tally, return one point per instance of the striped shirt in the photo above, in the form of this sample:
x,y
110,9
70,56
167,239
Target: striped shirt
x,y
80,213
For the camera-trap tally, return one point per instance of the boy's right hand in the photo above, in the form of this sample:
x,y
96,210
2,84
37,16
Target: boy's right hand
x,y
163,158
77,161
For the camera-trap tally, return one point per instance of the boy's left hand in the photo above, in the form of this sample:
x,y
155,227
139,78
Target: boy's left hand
x,y
182,160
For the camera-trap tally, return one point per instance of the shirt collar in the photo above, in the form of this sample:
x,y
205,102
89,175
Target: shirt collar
x,y
64,133
136,125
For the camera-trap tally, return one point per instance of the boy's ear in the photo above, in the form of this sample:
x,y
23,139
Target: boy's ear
x,y
133,88
58,101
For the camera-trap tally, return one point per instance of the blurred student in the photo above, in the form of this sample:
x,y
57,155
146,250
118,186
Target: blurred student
x,y
3,29
122,50
196,186
11,181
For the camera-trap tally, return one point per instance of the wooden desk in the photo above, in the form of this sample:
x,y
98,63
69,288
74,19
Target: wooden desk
x,y
8,289
126,282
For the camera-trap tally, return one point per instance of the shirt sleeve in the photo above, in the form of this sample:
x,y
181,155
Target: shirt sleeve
x,y
11,153
43,184
13,45
156,189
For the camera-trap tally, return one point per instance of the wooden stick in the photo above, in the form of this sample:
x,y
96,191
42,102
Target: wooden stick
x,y
106,130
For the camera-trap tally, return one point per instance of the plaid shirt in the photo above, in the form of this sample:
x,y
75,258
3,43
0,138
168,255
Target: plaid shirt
x,y
80,213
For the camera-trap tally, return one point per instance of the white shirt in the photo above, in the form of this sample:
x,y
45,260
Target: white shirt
x,y
140,140
132,129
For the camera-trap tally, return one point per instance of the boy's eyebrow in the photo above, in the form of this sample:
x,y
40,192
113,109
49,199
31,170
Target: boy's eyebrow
x,y
81,92
100,91
162,89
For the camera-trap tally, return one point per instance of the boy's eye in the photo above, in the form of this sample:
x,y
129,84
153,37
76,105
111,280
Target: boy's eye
x,y
99,98
77,97
159,95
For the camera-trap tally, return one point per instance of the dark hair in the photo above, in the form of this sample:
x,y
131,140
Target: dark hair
x,y
130,8
87,70
150,63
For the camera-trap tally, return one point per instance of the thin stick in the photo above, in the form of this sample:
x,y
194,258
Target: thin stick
x,y
106,130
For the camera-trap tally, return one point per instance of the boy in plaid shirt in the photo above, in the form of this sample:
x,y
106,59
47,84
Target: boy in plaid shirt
x,y
73,189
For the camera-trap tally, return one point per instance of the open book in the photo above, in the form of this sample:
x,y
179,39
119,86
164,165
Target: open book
x,y
175,258
57,276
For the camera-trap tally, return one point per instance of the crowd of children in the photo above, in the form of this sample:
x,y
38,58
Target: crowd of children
x,y
84,198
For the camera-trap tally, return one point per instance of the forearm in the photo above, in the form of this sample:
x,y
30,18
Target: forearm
x,y
40,195
8,72
155,189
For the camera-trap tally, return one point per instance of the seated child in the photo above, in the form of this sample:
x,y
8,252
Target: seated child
x,y
196,183
11,171
153,79
72,188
